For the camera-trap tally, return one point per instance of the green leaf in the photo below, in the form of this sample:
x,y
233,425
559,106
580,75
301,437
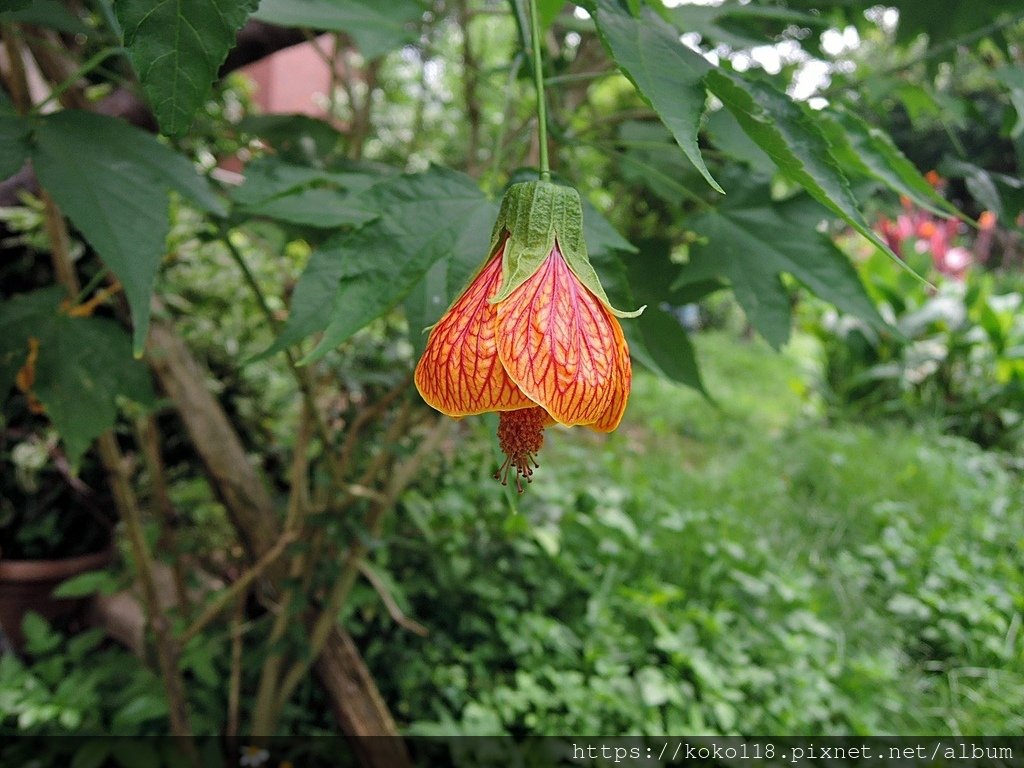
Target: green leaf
x,y
88,583
666,73
377,27
920,104
751,239
952,21
14,147
53,14
449,275
668,349
296,138
660,342
648,146
1013,78
601,237
357,277
18,315
113,181
84,366
84,643
548,10
307,196
740,26
176,47
92,754
39,636
979,182
790,136
728,136
870,151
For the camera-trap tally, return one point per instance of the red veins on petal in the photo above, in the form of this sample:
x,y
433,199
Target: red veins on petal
x,y
562,347
459,373
623,378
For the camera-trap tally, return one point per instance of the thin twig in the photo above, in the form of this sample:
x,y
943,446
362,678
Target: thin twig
x,y
358,549
238,586
167,650
235,678
364,416
148,438
298,503
396,613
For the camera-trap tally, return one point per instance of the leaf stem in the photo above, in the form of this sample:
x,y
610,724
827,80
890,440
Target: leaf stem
x,y
91,286
91,64
538,79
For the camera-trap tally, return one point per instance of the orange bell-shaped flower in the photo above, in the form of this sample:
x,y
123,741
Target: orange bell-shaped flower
x,y
533,336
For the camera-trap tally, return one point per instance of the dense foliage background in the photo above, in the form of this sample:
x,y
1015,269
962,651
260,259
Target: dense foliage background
x,y
810,519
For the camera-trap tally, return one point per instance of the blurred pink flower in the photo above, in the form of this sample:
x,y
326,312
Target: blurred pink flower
x,y
954,262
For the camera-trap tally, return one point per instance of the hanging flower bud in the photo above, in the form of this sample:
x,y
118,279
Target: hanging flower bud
x,y
533,336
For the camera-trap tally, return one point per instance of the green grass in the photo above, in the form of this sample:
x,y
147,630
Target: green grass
x,y
739,567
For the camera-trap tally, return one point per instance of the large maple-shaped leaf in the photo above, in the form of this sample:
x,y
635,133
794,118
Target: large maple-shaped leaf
x,y
113,181
84,365
789,135
358,276
750,239
665,72
377,26
869,151
449,275
176,47
298,194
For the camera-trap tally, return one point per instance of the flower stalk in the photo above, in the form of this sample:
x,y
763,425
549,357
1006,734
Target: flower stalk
x,y
538,80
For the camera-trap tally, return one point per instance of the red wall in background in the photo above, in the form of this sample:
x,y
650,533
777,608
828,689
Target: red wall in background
x,y
293,80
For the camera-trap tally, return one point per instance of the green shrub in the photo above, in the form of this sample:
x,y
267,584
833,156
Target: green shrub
x,y
776,576
954,354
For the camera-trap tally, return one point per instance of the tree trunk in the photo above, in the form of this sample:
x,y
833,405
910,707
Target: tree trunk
x,y
233,478
357,703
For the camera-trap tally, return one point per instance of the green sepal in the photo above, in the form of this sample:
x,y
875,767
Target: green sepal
x,y
534,215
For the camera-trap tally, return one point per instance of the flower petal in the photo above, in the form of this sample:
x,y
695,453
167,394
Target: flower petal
x,y
623,379
459,373
559,344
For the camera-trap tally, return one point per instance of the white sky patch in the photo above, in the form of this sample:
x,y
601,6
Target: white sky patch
x,y
809,78
835,42
886,18
692,41
769,57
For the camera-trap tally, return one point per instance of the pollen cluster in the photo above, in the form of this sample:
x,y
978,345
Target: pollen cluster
x,y
520,436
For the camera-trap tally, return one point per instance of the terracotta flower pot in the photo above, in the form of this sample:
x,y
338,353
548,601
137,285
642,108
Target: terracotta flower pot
x,y
27,585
